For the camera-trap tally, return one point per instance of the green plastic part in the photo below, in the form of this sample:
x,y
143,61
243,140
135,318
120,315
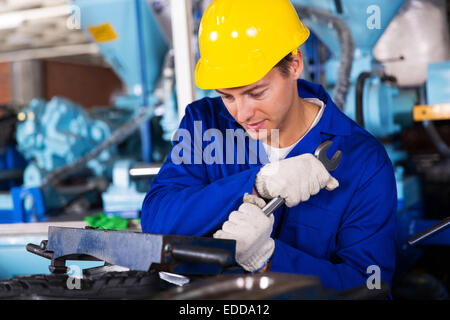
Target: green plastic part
x,y
102,221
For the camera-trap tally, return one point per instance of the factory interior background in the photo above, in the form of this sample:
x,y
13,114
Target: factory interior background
x,y
92,91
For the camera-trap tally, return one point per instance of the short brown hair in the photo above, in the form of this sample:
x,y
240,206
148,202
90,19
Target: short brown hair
x,y
284,65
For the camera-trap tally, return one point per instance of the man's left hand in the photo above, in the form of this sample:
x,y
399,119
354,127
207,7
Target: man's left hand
x,y
251,229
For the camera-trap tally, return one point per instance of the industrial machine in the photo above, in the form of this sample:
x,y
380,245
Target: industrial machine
x,y
359,50
378,77
50,135
435,107
142,266
12,163
74,155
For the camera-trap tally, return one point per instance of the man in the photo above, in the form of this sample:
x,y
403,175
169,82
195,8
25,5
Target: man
x,y
335,227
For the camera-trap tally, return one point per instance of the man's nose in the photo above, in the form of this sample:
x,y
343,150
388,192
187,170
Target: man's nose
x,y
244,112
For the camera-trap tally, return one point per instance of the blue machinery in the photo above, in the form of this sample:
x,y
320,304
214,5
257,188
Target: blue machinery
x,y
373,97
132,43
61,139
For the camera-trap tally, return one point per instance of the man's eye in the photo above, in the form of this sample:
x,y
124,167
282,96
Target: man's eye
x,y
226,97
256,95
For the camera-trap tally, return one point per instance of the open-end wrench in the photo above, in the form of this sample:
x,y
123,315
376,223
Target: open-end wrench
x,y
321,154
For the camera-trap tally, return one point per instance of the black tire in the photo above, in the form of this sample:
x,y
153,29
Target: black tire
x,y
419,286
110,285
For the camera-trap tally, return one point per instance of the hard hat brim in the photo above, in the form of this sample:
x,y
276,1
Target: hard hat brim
x,y
209,75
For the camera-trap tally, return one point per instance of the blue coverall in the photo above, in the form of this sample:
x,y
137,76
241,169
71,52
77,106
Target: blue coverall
x,y
335,235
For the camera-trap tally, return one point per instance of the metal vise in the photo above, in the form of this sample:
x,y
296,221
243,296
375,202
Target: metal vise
x,y
136,251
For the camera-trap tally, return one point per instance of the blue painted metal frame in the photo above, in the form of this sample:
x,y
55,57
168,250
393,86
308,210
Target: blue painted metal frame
x,y
315,66
28,206
146,138
10,160
383,104
136,55
438,83
21,212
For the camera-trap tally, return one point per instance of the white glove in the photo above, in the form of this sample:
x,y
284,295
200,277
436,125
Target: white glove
x,y
251,229
295,179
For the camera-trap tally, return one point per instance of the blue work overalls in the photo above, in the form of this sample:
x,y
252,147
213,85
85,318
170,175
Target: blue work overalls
x,y
341,236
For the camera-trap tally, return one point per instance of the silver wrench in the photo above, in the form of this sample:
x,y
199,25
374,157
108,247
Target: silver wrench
x,y
321,154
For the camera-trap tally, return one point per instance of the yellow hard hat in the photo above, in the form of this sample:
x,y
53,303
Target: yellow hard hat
x,y
242,40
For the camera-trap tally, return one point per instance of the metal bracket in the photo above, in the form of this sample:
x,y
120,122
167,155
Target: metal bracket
x,y
136,251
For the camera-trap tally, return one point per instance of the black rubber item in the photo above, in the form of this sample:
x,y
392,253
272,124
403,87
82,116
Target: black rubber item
x,y
215,256
338,5
8,120
364,293
110,285
253,286
14,174
420,286
360,82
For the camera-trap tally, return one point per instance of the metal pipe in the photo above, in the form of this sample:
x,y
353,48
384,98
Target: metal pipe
x,y
11,174
183,51
145,129
440,226
359,101
142,170
347,49
434,136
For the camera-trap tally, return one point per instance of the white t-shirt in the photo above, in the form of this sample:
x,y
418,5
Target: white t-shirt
x,y
276,154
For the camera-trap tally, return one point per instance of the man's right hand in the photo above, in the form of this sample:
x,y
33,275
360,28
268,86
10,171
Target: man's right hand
x,y
294,179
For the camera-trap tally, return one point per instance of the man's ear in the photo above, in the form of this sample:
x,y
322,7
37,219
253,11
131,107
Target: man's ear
x,y
297,64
